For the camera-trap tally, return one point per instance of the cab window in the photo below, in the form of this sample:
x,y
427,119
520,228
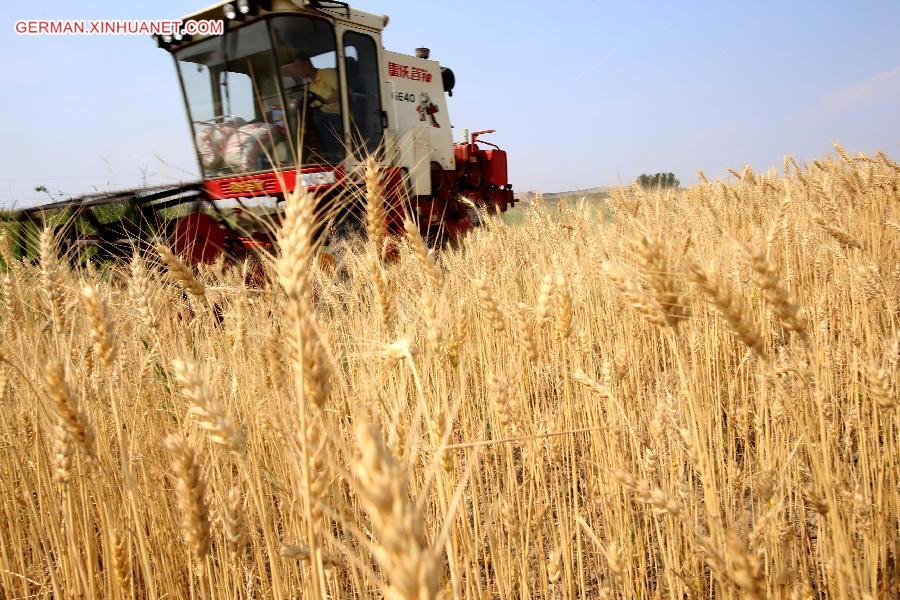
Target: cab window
x,y
363,92
305,52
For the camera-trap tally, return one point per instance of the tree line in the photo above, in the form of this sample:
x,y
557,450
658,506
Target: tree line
x,y
658,180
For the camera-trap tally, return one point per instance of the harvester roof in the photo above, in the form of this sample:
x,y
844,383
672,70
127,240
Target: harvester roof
x,y
330,9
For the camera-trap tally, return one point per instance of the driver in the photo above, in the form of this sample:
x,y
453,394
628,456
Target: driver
x,y
322,84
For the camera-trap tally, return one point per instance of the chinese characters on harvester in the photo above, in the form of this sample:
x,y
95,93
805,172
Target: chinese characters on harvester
x,y
411,73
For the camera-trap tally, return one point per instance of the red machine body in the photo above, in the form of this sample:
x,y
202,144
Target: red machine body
x,y
201,239
479,179
482,173
271,183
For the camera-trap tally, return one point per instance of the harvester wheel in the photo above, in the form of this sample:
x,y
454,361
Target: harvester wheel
x,y
198,238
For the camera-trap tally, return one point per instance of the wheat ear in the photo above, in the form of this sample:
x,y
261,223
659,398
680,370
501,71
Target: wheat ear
x,y
880,387
142,292
420,251
183,274
527,330
189,496
235,526
6,250
488,304
730,305
776,295
295,243
376,215
103,334
51,271
659,274
563,307
71,429
209,411
645,304
402,549
121,566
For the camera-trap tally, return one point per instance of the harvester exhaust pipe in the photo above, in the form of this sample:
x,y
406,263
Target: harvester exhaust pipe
x,y
423,53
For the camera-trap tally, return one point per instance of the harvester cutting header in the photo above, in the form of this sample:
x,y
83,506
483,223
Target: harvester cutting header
x,y
304,90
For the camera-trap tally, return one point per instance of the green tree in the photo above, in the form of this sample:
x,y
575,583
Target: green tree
x,y
658,180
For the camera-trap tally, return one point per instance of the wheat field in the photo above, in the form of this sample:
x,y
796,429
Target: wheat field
x,y
696,398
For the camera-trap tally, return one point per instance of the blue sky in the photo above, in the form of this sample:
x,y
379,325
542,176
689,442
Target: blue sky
x,y
581,93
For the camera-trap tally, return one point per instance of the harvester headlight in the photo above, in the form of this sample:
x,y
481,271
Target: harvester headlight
x,y
167,39
317,178
244,7
230,12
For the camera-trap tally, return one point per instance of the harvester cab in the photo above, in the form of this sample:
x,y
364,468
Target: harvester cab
x,y
301,92
304,89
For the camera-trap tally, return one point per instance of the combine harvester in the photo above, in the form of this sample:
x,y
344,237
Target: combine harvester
x,y
292,90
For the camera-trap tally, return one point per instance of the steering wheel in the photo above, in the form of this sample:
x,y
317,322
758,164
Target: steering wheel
x,y
304,96
314,100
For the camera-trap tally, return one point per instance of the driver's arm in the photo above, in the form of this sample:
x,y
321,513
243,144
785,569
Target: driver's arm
x,y
329,77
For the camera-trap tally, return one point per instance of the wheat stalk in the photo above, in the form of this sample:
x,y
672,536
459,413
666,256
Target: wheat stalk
x,y
382,298
692,468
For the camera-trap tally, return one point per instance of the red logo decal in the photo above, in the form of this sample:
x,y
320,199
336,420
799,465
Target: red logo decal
x,y
405,72
427,110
